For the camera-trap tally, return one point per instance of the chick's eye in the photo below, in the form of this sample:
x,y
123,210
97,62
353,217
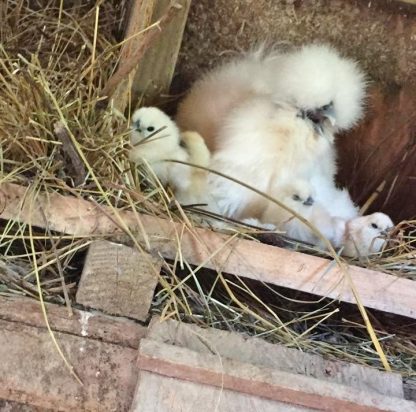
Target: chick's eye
x,y
296,198
374,226
150,129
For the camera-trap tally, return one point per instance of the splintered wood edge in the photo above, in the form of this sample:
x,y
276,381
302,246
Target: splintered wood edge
x,y
242,257
181,363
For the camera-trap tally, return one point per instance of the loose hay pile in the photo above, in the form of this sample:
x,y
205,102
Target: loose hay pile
x,y
54,61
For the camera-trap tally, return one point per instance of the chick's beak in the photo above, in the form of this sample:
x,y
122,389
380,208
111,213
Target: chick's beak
x,y
386,232
309,201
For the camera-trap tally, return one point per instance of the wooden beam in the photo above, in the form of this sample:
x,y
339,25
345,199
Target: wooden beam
x,y
256,351
203,247
155,71
213,370
96,326
139,19
148,57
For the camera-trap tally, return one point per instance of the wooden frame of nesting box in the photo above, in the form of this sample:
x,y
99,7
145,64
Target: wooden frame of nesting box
x,y
206,248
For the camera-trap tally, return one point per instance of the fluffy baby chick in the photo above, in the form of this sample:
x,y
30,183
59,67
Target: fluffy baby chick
x,y
300,196
199,155
364,234
154,139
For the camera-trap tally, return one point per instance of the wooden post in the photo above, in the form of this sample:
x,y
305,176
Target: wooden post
x,y
154,75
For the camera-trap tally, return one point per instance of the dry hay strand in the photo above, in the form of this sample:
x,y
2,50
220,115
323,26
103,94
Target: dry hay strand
x,y
54,62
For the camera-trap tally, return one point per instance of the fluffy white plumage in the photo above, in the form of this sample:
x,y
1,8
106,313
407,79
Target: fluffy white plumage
x,y
314,78
199,155
270,118
155,138
365,235
301,197
264,145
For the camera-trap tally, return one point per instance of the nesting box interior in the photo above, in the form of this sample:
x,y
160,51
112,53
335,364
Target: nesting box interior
x,y
68,85
380,35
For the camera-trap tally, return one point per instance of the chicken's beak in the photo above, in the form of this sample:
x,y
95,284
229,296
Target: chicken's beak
x,y
329,114
321,116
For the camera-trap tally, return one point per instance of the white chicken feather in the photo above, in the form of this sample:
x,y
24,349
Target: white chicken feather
x,y
270,121
317,79
271,117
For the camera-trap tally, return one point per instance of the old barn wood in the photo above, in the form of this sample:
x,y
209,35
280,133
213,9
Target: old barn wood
x,y
205,248
170,365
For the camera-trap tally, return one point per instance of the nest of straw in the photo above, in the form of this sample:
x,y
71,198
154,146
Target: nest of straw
x,y
55,58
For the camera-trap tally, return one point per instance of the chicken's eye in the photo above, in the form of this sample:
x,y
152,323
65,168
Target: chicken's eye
x,y
327,106
296,198
150,129
374,226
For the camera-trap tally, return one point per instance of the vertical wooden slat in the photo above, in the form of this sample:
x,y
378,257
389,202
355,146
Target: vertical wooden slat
x,y
154,74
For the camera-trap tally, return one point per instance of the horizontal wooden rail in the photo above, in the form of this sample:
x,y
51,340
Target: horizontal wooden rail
x,y
213,250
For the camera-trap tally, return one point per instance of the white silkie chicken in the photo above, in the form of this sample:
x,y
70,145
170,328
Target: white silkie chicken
x,y
316,79
155,138
269,118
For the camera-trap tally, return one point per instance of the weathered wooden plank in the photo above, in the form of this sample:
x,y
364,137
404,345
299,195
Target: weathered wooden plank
x,y
263,354
138,20
118,280
238,256
31,371
26,311
155,71
158,393
214,370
